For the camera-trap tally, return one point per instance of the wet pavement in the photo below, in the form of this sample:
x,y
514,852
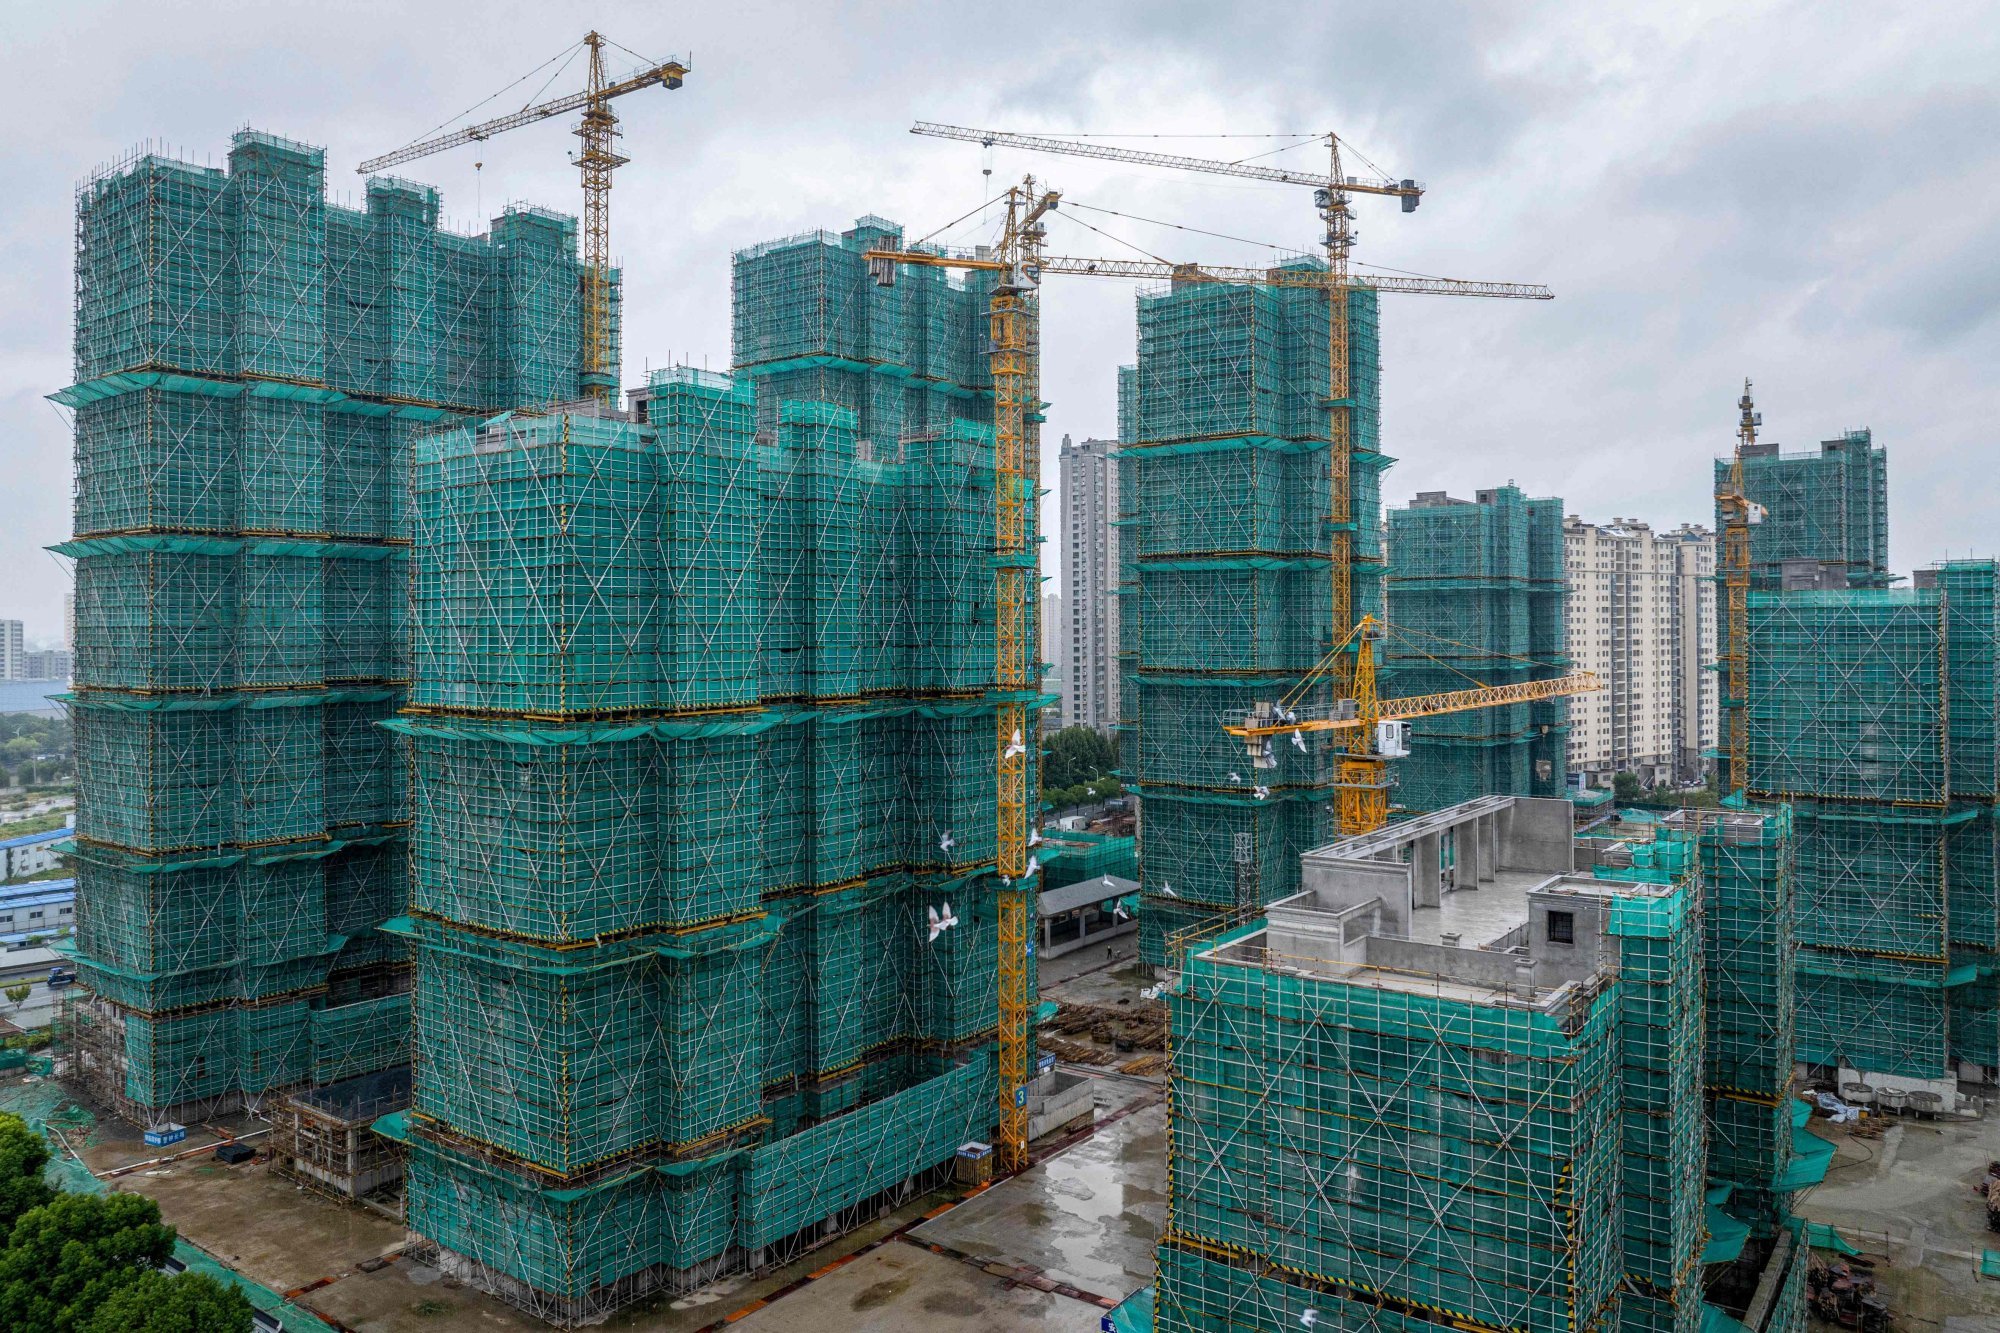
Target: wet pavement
x,y
1908,1201
1087,1217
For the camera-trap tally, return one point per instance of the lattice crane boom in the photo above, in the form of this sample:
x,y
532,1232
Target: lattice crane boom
x,y
884,261
1364,780
597,159
1409,191
1419,705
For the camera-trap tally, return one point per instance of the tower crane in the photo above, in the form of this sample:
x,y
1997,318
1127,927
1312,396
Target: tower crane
x,y
1014,358
597,159
1367,717
1738,512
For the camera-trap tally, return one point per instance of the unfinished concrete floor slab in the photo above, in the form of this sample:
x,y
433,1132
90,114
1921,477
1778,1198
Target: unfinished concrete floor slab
x,y
1088,1216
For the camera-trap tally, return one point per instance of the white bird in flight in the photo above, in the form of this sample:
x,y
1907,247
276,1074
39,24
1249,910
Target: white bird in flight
x,y
1309,1318
947,842
941,923
1168,889
1108,884
1234,776
1298,739
1260,792
1034,836
1014,746
1118,911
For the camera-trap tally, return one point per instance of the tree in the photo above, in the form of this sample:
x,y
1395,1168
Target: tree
x,y
184,1303
16,994
66,1258
23,1157
1625,787
1077,756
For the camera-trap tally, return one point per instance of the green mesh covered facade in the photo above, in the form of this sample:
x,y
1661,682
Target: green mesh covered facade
x,y
1388,1151
1225,590
1871,710
1828,506
703,736
252,364
1475,594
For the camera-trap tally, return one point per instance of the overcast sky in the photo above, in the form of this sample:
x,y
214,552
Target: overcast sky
x,y
1808,194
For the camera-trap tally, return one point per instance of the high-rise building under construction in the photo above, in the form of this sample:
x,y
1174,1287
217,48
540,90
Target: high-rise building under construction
x,y
1870,710
252,364
1459,1081
703,829
1476,595
1225,586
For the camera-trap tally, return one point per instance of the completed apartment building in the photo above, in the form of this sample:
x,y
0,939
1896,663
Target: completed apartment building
x,y
1087,645
1641,614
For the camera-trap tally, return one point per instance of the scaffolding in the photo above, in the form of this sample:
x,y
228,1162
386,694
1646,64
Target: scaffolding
x,y
1829,506
253,365
1396,1150
1225,583
1871,711
1476,593
702,740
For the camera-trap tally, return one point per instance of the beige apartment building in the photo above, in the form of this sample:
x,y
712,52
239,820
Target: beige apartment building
x,y
1641,614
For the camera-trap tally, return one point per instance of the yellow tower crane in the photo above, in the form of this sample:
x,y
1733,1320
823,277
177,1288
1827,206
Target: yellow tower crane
x,y
1738,512
1014,356
597,159
1363,715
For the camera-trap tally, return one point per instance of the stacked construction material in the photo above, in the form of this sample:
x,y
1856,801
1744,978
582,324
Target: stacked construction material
x,y
251,364
1476,593
1225,583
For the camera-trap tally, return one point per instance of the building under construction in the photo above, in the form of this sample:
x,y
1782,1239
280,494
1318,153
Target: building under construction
x,y
1457,1081
1476,595
1225,583
1870,711
703,733
252,364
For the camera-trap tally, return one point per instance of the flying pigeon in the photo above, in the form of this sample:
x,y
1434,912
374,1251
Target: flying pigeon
x,y
940,923
1034,836
1168,889
1309,1318
1298,739
1014,746
1108,884
1234,776
1260,792
1034,864
1118,912
947,842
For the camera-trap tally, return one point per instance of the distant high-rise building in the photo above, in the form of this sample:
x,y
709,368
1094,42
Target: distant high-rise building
x,y
1697,687
1052,653
47,664
1088,668
69,621
13,657
1639,614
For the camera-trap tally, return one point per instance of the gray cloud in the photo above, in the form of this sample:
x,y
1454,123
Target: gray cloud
x,y
1775,189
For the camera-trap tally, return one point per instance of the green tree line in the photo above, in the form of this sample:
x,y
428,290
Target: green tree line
x,y
90,1263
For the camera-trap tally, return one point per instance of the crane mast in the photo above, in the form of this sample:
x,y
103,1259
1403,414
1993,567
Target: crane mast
x,y
1738,512
1014,353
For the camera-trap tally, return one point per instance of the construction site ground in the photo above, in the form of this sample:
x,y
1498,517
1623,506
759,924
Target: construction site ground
x,y
1908,1200
1049,1249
